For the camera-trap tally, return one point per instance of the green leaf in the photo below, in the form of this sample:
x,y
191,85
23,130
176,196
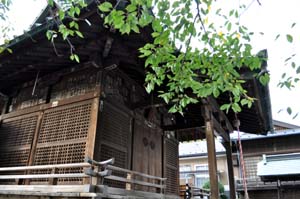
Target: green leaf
x,y
293,25
76,58
225,107
135,29
229,26
293,64
298,70
289,38
277,37
264,79
289,110
131,8
77,11
9,50
244,102
173,109
51,3
105,7
61,14
296,115
79,34
49,34
236,107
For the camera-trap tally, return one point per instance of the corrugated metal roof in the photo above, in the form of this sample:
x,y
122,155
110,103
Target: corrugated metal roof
x,y
279,166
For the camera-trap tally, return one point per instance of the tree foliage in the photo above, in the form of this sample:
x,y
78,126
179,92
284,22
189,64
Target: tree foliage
x,y
197,50
220,186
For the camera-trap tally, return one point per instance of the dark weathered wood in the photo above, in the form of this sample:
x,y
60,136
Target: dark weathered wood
x,y
215,106
141,150
70,100
211,152
219,130
135,172
228,149
34,144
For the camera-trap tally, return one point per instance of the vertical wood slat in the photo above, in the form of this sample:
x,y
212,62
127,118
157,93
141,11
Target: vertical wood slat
x,y
34,144
171,165
212,160
90,144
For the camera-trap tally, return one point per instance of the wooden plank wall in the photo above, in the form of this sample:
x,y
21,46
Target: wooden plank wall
x,y
147,150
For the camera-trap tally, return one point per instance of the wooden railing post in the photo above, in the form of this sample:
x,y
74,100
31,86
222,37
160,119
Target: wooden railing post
x,y
53,181
129,185
95,179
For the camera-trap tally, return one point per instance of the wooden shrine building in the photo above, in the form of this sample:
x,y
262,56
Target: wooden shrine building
x,y
62,122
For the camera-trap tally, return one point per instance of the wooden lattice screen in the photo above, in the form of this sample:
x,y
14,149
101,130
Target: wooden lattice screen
x,y
63,136
53,135
114,138
171,171
16,136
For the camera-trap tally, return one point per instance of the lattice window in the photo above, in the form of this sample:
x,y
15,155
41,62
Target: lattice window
x,y
62,138
16,135
61,154
17,132
14,158
120,161
116,126
172,154
172,175
171,166
65,124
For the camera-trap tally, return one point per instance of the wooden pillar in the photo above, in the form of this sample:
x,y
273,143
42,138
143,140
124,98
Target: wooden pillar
x,y
227,146
212,160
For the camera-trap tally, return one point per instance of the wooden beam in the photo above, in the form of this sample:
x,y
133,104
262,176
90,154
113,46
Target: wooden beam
x,y
211,152
216,108
227,145
220,131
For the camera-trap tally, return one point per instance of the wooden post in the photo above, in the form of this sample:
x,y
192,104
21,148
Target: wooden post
x,y
227,146
129,185
212,162
90,144
53,181
34,144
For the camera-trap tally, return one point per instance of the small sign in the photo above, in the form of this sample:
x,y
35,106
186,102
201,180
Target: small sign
x,y
54,104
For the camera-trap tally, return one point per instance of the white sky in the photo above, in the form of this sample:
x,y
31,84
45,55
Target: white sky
x,y
272,17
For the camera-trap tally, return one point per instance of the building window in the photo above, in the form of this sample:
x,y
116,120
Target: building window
x,y
184,168
201,167
202,175
201,179
185,172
